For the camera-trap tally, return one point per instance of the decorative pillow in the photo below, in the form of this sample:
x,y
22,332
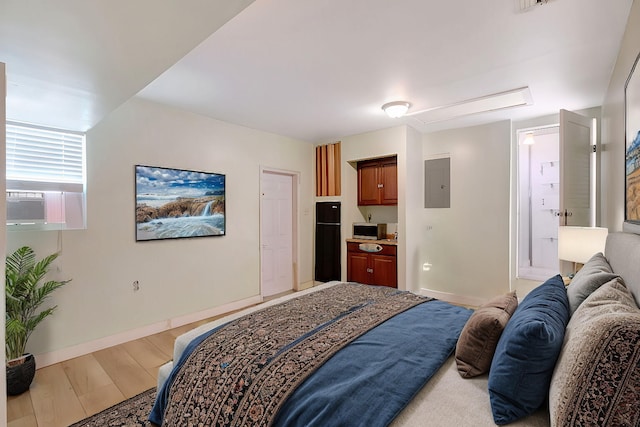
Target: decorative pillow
x,y
480,335
597,377
590,277
523,364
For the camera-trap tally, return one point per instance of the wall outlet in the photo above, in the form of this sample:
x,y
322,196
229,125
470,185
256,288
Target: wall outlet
x,y
136,286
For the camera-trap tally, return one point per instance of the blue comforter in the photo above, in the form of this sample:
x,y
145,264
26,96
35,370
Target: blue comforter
x,y
373,378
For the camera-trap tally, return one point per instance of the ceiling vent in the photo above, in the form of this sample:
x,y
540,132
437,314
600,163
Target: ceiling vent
x,y
528,4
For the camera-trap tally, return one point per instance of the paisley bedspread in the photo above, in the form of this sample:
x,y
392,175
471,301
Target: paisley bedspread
x,y
242,373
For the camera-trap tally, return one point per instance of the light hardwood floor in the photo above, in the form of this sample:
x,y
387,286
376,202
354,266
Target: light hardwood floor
x,y
67,392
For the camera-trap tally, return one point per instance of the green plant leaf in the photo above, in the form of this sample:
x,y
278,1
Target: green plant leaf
x,y
24,293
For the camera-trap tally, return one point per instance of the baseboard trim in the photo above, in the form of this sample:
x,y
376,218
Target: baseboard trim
x,y
453,298
306,285
51,358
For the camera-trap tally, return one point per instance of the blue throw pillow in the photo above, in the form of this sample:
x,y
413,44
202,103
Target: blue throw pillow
x,y
527,351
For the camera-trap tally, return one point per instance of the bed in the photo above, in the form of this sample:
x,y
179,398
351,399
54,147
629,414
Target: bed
x,y
357,360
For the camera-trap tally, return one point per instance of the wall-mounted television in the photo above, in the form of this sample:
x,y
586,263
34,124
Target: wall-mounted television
x,y
178,203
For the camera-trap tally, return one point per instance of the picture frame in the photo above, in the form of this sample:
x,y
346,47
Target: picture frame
x,y
632,149
178,203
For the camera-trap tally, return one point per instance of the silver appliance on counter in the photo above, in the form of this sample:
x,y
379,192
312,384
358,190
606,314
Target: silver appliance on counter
x,y
369,231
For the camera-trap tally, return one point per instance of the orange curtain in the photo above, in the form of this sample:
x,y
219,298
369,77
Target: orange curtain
x,y
328,170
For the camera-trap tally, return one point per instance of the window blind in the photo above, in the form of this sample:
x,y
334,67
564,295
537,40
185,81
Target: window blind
x,y
44,159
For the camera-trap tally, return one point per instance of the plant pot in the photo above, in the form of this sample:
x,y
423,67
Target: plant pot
x,y
20,374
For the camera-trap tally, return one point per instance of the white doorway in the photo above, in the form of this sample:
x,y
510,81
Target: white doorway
x,y
538,202
556,174
278,231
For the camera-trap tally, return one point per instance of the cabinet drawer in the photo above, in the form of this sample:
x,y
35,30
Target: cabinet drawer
x,y
386,249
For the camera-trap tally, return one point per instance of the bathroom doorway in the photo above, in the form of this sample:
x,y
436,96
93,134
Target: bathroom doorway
x,y
539,201
556,186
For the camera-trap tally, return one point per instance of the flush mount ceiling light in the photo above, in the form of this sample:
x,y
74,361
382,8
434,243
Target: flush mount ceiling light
x,y
396,109
530,136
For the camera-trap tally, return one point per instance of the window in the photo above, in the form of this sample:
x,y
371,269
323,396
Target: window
x,y
45,178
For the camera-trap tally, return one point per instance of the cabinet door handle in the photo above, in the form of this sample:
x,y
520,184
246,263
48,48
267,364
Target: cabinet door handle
x,y
369,270
380,185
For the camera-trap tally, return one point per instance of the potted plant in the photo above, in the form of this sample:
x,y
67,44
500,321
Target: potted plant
x,y
24,294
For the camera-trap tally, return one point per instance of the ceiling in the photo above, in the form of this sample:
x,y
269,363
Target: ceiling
x,y
312,70
69,63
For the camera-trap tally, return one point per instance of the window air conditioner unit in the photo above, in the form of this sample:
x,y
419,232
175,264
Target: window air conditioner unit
x,y
25,209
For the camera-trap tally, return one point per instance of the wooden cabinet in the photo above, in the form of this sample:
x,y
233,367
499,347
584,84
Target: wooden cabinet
x,y
372,268
378,182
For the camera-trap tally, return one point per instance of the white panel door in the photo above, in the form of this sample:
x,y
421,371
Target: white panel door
x,y
576,146
276,230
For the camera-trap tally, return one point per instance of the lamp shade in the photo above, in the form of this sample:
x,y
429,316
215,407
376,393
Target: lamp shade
x,y
578,244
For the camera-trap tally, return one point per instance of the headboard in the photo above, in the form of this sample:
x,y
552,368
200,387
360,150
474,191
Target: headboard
x,y
623,253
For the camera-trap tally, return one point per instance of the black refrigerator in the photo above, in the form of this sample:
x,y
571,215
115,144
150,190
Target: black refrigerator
x,y
327,241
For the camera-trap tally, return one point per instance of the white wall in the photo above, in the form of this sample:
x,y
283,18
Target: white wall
x,y
176,277
613,134
468,244
411,211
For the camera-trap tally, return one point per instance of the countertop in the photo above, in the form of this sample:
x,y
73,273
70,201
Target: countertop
x,y
392,242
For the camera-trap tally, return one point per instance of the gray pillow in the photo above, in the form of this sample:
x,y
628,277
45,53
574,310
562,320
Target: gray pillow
x,y
595,273
597,376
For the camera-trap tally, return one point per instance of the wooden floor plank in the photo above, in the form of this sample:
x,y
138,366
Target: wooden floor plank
x,y
101,398
146,353
176,332
93,386
153,371
26,421
85,374
19,406
55,403
126,373
164,341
